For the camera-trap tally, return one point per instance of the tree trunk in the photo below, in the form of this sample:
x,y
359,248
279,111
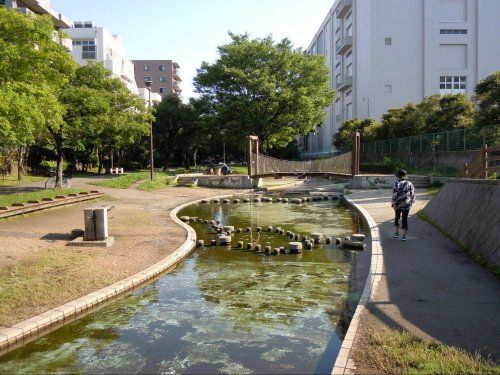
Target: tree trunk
x,y
194,159
59,167
20,163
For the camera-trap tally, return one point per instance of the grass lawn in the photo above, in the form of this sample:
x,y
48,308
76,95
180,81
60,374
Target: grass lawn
x,y
8,199
11,180
37,281
123,182
158,183
396,352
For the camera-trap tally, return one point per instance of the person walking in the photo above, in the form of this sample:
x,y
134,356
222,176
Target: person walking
x,y
403,196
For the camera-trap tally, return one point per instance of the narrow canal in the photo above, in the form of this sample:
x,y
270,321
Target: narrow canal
x,y
222,310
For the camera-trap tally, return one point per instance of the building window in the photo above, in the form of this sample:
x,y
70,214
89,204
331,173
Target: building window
x,y
452,84
338,30
348,111
147,79
348,94
349,54
147,68
163,90
388,41
88,52
163,79
387,88
337,79
163,68
83,42
453,31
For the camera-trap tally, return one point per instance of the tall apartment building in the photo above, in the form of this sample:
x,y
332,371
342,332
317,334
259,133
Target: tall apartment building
x,y
42,7
385,53
163,73
91,43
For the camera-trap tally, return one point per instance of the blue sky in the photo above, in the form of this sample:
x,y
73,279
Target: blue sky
x,y
189,31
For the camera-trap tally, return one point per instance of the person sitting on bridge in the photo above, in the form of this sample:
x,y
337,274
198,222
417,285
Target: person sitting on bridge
x,y
403,196
225,170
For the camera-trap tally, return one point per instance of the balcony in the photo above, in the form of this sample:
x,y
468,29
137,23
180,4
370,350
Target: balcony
x,y
343,45
176,75
345,83
176,87
343,8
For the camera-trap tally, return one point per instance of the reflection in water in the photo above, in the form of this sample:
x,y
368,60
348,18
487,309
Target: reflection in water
x,y
222,310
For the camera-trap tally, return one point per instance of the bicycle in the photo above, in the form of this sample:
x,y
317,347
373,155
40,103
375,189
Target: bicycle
x,y
51,182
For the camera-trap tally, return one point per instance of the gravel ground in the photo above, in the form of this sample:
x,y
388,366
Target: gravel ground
x,y
144,234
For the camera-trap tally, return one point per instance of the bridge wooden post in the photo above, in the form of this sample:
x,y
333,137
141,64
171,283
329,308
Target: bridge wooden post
x,y
356,146
249,155
251,140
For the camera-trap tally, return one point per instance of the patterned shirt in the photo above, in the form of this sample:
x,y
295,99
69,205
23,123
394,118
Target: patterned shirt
x,y
403,194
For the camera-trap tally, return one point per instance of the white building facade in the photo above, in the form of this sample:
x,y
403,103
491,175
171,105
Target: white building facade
x,y
385,53
92,43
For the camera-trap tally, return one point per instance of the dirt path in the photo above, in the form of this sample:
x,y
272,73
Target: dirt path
x,y
38,271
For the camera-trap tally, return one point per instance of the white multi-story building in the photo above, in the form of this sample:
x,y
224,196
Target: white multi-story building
x,y
385,53
91,43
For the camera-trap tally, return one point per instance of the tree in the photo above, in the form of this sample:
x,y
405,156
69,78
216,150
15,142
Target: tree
x,y
344,135
100,114
454,112
179,130
257,87
27,108
487,97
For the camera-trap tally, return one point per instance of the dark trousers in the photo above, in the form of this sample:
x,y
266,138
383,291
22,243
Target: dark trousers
x,y
404,213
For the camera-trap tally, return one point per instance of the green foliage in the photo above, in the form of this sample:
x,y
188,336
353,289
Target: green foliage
x,y
178,131
349,127
258,87
434,114
399,352
386,166
488,100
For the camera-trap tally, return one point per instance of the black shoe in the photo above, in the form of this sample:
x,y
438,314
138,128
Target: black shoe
x,y
396,235
403,238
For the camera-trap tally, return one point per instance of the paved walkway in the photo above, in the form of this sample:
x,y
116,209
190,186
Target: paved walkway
x,y
429,287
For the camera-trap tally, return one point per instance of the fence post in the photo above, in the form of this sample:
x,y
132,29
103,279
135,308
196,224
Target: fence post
x,y
485,161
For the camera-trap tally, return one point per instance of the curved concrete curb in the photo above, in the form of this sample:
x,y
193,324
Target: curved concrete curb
x,y
30,329
344,364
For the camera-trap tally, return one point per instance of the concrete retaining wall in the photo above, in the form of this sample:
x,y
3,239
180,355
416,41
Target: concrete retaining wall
x,y
469,210
385,181
229,182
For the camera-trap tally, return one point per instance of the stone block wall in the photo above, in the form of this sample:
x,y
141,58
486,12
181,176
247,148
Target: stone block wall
x,y
469,210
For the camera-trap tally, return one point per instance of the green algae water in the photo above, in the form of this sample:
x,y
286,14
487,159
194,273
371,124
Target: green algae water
x,y
222,310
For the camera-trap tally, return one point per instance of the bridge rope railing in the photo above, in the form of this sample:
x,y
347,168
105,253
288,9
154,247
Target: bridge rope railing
x,y
267,165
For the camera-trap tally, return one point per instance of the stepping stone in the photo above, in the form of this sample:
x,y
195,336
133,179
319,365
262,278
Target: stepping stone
x,y
354,245
18,205
295,247
358,237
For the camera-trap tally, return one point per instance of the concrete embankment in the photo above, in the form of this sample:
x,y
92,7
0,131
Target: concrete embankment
x,y
469,210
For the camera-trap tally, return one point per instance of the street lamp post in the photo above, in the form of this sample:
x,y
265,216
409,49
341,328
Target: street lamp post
x,y
149,84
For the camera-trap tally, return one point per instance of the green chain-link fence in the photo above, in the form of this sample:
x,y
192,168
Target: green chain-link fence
x,y
453,140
